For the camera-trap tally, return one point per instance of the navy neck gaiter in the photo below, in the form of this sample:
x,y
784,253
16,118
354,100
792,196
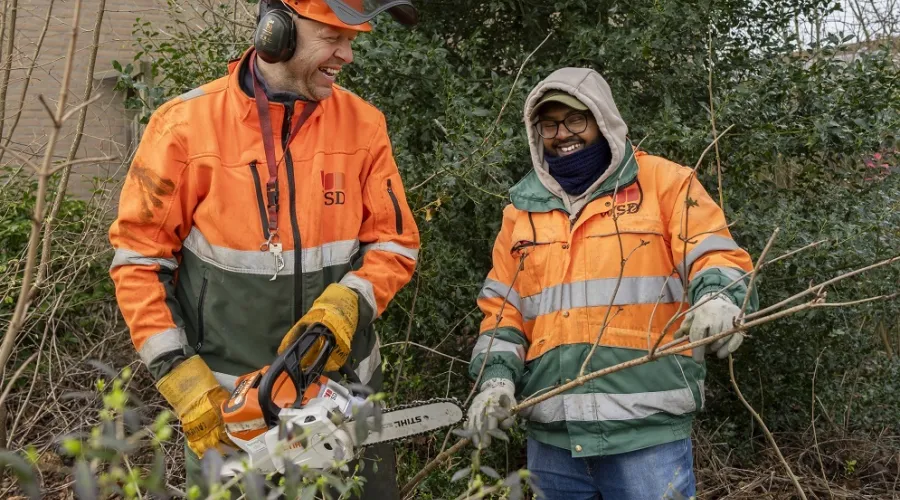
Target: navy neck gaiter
x,y
577,171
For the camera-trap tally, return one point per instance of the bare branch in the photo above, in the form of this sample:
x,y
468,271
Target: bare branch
x,y
755,273
412,313
810,290
87,102
25,161
80,161
27,83
475,386
765,429
11,11
21,309
499,115
43,266
49,111
426,348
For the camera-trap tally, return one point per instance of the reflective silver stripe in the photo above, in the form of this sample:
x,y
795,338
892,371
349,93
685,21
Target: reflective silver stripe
x,y
363,287
262,262
367,367
495,289
197,92
711,243
390,246
126,257
173,339
599,292
225,380
598,407
497,346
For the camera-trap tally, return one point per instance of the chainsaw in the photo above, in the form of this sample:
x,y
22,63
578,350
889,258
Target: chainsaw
x,y
285,412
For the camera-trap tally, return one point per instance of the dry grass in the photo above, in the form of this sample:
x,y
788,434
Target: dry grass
x,y
875,474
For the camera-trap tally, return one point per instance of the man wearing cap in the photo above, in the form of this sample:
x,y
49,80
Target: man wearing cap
x,y
591,202
257,205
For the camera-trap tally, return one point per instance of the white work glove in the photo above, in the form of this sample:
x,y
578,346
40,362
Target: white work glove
x,y
714,316
495,393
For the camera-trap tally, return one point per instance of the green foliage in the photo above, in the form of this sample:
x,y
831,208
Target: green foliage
x,y
74,218
805,124
182,55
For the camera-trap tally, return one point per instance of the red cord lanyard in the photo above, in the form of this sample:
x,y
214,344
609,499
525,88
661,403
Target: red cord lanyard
x,y
262,107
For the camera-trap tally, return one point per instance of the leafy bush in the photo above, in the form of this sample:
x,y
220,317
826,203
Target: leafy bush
x,y
805,124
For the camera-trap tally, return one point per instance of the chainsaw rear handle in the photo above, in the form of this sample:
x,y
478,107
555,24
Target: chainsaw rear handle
x,y
289,361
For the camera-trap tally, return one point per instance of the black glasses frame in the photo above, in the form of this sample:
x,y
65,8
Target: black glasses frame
x,y
540,129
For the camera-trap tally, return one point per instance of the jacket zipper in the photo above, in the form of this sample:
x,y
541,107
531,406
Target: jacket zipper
x,y
397,216
292,199
200,314
263,216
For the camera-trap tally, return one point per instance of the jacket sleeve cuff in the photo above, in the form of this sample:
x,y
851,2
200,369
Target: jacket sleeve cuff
x,y
498,371
711,289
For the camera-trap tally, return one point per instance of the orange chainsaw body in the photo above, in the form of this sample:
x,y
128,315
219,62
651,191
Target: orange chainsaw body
x,y
242,413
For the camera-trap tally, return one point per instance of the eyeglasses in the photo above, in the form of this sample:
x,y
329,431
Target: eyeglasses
x,y
575,123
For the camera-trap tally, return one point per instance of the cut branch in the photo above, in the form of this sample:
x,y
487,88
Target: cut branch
x,y
25,295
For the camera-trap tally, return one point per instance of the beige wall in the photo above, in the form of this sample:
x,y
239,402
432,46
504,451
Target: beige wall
x,y
107,126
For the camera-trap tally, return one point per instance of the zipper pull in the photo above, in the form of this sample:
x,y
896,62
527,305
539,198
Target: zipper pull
x,y
275,249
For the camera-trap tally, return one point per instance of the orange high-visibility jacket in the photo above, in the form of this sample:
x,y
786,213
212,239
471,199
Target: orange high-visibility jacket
x,y
555,276
189,270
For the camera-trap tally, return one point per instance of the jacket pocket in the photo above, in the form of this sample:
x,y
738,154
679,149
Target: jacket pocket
x,y
200,301
260,198
398,217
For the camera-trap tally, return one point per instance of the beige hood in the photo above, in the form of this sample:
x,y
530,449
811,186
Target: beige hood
x,y
591,89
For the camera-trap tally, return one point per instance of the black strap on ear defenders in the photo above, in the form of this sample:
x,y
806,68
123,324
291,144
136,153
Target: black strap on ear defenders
x,y
275,38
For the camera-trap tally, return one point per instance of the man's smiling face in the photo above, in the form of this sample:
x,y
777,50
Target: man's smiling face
x,y
567,142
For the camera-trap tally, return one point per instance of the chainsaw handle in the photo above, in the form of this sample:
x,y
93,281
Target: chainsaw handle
x,y
289,361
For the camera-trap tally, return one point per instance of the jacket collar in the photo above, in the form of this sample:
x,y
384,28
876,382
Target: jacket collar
x,y
245,104
531,195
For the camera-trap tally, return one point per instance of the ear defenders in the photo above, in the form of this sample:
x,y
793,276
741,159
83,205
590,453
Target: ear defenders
x,y
275,38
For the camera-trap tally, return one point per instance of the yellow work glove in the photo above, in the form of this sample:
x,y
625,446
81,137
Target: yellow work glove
x,y
338,309
196,397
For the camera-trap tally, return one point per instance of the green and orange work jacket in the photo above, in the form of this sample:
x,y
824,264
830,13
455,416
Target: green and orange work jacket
x,y
190,272
556,273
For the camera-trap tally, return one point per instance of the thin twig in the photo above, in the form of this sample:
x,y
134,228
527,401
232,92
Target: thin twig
x,y
712,120
810,290
812,421
44,264
409,325
80,161
765,429
487,351
499,115
12,381
612,369
755,272
25,295
426,348
27,82
11,12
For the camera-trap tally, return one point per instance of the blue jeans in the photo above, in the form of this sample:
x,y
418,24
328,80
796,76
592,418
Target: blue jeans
x,y
659,472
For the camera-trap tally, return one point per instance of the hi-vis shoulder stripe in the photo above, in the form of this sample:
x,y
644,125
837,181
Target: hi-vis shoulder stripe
x,y
260,262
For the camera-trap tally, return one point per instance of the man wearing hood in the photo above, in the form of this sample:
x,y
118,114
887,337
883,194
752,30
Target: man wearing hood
x,y
592,202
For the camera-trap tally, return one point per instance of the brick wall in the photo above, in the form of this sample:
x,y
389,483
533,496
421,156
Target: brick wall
x,y
107,127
